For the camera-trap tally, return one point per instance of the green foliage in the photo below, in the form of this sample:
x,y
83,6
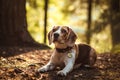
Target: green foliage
x,y
35,18
102,41
116,49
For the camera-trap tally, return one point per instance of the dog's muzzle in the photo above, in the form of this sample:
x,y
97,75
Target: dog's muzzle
x,y
56,35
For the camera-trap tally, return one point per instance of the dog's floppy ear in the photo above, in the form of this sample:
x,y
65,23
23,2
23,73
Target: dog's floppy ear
x,y
71,35
50,37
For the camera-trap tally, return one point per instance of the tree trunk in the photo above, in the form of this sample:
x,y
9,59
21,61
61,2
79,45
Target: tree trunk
x,y
115,31
13,25
88,32
115,21
45,19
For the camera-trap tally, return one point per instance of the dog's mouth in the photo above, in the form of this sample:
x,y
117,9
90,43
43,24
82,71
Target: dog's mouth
x,y
58,41
55,39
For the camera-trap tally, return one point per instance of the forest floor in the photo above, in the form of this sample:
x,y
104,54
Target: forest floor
x,y
22,63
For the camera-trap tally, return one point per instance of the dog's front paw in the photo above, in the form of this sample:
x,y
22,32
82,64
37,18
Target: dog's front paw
x,y
61,73
42,70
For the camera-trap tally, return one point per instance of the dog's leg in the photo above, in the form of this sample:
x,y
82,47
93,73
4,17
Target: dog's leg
x,y
49,66
69,63
93,57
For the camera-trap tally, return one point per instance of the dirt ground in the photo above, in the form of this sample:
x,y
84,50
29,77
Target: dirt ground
x,y
22,63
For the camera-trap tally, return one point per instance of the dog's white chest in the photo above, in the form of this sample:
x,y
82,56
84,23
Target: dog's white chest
x,y
61,58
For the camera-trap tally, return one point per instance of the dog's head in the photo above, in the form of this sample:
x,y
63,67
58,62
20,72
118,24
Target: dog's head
x,y
62,35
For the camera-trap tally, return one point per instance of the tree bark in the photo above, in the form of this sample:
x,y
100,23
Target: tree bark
x,y
13,24
115,21
45,19
88,32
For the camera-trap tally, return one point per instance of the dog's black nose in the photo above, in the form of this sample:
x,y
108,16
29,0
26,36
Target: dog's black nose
x,y
56,35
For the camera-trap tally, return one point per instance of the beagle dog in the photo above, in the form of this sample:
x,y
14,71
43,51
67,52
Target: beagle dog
x,y
67,54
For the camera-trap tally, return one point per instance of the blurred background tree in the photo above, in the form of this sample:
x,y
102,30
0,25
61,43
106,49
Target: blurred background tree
x,y
13,25
110,17
92,20
96,22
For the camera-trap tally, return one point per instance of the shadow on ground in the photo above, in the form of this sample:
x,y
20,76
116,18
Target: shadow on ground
x,y
25,65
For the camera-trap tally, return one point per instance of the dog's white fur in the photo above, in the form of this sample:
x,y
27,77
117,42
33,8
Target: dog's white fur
x,y
62,59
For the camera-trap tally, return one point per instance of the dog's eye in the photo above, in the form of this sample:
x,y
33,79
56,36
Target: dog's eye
x,y
54,30
63,31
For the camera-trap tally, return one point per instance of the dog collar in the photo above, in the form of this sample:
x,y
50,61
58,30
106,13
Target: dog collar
x,y
63,50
